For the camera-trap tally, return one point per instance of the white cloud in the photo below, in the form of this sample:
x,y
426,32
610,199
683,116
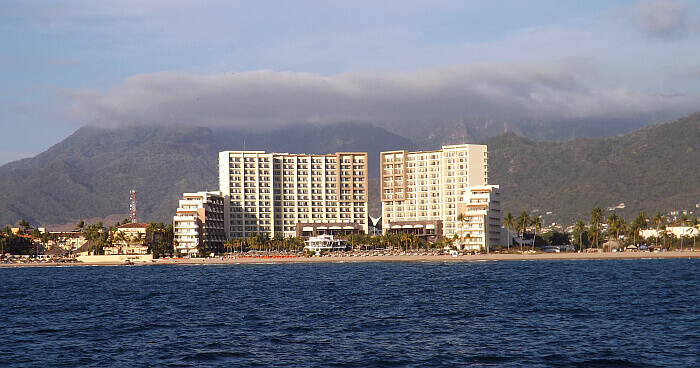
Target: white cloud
x,y
269,98
663,18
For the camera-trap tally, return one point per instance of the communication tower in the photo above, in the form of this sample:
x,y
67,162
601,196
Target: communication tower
x,y
132,206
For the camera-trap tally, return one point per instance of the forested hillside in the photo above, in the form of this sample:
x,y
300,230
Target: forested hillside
x,y
653,169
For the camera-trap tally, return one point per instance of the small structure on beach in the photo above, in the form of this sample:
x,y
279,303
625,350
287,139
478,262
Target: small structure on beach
x,y
327,243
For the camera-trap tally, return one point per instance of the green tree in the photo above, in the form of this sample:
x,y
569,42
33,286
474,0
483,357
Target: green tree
x,y
695,226
80,226
658,221
36,236
24,224
640,222
522,222
684,221
202,249
508,222
461,218
230,244
536,226
596,221
616,225
579,229
252,240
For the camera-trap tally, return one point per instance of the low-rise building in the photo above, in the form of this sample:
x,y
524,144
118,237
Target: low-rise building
x,y
199,221
678,231
68,240
480,214
129,239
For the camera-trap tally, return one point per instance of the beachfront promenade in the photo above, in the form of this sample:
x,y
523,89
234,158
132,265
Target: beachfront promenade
x,y
372,257
435,258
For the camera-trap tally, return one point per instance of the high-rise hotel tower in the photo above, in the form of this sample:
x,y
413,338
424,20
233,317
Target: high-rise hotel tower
x,y
420,190
293,194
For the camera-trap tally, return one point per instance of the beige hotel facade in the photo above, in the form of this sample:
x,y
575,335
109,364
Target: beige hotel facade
x,y
293,194
420,191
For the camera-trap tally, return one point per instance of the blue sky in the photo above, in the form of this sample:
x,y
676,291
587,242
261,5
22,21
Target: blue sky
x,y
69,63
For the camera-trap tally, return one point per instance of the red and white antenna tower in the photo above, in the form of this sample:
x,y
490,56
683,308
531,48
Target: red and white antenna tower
x,y
132,206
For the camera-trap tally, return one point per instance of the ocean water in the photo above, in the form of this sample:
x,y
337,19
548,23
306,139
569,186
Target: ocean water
x,y
607,313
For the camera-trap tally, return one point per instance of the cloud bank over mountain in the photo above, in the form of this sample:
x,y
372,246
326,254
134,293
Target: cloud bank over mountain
x,y
266,98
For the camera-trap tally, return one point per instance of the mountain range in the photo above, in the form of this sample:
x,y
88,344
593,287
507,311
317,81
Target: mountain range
x,y
90,173
654,168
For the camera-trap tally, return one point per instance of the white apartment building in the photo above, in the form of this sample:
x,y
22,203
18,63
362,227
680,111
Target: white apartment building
x,y
199,220
420,190
293,194
678,231
480,225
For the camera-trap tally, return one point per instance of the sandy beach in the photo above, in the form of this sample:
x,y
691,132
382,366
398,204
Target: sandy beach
x,y
349,257
439,258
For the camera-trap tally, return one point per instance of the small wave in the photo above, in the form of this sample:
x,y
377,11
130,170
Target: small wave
x,y
609,363
215,356
489,359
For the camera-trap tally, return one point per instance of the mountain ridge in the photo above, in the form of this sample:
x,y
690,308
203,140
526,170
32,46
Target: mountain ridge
x,y
587,172
90,173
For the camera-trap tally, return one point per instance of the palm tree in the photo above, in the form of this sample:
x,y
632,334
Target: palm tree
x,y
579,228
596,221
80,226
412,240
615,225
508,222
403,238
24,224
36,238
658,221
119,236
695,225
251,239
536,225
640,222
229,244
684,221
522,222
467,237
461,218
138,238
621,227
591,231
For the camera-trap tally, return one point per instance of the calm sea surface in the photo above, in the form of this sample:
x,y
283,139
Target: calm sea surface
x,y
608,313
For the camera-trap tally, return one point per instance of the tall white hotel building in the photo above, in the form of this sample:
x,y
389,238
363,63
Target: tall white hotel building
x,y
293,194
420,191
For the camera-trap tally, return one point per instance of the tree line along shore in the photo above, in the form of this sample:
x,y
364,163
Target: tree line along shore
x,y
525,235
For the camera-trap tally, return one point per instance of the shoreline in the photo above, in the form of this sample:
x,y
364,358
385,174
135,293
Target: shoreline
x,y
386,258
